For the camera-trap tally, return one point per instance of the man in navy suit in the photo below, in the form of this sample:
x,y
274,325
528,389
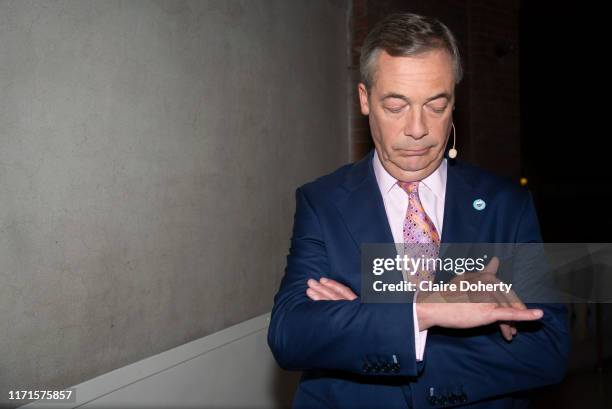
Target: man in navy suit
x,y
416,354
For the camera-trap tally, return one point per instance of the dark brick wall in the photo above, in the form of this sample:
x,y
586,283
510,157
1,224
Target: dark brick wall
x,y
487,116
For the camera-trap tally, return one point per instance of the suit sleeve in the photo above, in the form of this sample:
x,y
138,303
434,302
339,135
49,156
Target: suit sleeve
x,y
478,364
374,339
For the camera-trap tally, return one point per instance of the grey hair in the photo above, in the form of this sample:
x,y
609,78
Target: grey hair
x,y
407,34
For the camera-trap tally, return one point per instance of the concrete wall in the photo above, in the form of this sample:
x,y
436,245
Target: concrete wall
x,y
149,152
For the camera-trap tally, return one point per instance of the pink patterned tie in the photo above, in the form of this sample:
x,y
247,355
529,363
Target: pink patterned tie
x,y
420,230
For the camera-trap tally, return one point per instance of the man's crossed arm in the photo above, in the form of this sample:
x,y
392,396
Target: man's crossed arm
x,y
438,308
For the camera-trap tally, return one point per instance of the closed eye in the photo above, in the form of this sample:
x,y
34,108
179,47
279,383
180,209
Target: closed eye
x,y
394,110
438,110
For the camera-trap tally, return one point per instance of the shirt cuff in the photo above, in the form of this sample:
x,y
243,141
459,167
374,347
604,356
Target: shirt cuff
x,y
420,337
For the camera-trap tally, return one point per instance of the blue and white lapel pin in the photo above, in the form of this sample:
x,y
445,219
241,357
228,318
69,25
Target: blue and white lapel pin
x,y
479,204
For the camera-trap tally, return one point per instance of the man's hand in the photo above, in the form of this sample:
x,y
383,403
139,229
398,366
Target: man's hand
x,y
456,309
328,289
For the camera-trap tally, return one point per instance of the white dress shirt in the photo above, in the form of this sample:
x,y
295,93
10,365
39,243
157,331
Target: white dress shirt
x,y
432,190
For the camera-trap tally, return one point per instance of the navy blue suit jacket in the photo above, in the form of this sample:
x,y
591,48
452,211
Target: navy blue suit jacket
x,y
362,355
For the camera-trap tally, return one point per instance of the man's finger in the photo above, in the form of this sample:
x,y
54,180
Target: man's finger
x,y
513,314
492,267
506,331
324,292
341,289
313,295
317,295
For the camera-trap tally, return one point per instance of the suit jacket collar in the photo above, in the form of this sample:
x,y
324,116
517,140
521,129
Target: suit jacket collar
x,y
362,207
461,218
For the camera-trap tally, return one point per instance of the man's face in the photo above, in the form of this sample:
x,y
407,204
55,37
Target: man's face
x,y
410,107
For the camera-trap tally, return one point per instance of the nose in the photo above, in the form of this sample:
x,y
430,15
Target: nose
x,y
416,126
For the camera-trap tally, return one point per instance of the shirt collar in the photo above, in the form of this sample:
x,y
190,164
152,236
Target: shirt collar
x,y
436,181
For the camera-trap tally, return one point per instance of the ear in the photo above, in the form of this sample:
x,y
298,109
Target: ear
x,y
363,99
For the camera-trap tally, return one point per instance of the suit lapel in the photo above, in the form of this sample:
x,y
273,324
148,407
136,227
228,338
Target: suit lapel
x,y
363,211
362,206
461,219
